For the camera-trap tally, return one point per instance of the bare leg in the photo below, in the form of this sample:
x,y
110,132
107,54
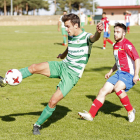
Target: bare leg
x,y
105,90
41,68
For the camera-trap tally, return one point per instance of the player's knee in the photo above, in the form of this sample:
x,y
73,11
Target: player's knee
x,y
102,92
32,68
116,89
52,103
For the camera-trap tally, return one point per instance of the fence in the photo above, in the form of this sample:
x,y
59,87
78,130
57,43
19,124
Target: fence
x,y
28,20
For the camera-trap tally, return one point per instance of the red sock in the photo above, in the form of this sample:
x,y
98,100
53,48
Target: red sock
x,y
128,29
119,92
126,103
95,107
109,41
104,43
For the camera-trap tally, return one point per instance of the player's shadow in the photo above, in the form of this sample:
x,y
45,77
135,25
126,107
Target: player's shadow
x,y
97,47
100,69
108,107
58,114
58,44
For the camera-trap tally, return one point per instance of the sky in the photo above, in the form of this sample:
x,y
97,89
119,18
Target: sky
x,y
100,3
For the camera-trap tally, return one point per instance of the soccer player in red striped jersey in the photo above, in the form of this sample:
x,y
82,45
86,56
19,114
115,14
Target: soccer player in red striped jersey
x,y
127,21
107,30
127,66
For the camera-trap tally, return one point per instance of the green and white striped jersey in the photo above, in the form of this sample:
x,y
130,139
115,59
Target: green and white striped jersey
x,y
79,49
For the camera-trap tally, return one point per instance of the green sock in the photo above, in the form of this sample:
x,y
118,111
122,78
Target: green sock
x,y
65,40
47,112
25,72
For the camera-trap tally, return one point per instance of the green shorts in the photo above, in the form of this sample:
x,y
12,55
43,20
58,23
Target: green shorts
x,y
64,32
82,24
68,80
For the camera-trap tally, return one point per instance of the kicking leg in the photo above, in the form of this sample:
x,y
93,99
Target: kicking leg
x,y
98,102
41,68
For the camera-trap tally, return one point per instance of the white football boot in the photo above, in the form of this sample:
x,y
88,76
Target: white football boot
x,y
131,115
85,115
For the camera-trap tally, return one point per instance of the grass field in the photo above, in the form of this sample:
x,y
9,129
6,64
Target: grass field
x,y
21,105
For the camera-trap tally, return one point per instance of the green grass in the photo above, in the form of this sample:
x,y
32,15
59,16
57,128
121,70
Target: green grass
x,y
21,105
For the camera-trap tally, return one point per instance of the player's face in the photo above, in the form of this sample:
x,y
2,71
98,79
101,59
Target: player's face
x,y
119,34
64,13
103,15
71,29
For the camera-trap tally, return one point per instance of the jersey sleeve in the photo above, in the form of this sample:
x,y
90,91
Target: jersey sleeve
x,y
107,20
88,39
60,19
131,51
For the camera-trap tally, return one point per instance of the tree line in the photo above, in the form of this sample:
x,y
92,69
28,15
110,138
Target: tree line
x,y
24,6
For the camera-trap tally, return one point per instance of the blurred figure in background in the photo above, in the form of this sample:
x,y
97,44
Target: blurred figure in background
x,y
127,21
107,30
63,29
83,20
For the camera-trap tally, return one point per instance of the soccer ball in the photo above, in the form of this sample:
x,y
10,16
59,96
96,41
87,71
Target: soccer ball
x,y
13,77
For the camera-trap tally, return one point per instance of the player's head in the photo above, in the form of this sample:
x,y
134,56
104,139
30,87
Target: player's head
x,y
64,12
72,23
119,31
103,14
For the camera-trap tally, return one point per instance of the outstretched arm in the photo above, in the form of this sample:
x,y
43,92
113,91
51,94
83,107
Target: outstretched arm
x,y
109,29
99,29
114,68
59,23
137,68
63,55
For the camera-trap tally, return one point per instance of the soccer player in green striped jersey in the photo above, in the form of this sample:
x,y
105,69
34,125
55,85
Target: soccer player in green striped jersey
x,y
70,69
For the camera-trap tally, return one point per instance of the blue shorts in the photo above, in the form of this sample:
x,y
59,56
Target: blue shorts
x,y
123,76
106,35
127,24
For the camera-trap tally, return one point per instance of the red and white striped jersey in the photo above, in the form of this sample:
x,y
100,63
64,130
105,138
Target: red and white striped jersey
x,y
127,17
125,55
105,23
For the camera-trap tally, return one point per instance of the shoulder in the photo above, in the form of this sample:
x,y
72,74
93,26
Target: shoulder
x,y
126,41
127,44
106,18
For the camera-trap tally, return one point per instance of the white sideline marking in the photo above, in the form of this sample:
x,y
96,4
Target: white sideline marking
x,y
18,31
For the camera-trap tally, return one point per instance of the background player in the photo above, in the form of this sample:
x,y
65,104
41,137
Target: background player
x,y
83,18
127,21
70,69
63,29
107,30
127,63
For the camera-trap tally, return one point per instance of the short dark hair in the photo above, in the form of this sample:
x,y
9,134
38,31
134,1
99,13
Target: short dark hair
x,y
104,13
73,18
65,11
121,25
